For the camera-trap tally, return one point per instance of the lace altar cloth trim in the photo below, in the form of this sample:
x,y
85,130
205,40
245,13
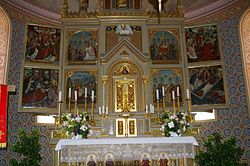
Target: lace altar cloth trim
x,y
80,150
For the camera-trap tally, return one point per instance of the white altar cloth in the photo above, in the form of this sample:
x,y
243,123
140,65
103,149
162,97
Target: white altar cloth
x,y
79,150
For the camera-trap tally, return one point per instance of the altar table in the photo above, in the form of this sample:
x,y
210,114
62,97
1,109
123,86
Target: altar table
x,y
154,148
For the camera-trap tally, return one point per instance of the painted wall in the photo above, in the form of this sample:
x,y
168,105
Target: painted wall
x,y
231,122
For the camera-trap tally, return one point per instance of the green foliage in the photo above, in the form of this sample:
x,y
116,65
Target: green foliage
x,y
220,153
28,147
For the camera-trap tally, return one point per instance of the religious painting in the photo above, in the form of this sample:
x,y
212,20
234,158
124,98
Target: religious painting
x,y
164,45
82,47
145,160
202,43
82,83
40,88
207,85
163,160
91,160
42,44
109,160
164,81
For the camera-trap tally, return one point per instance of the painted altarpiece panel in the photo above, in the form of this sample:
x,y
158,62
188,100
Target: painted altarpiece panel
x,y
207,85
82,47
164,45
78,81
202,43
112,38
42,44
39,88
170,79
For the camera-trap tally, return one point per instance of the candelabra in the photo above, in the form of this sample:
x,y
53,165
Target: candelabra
x,y
190,115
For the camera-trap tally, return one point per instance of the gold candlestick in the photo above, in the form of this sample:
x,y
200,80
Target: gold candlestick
x,y
59,119
164,104
158,112
75,109
92,121
178,104
69,107
85,104
174,110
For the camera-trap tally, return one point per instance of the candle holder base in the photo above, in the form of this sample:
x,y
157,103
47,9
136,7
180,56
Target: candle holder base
x,y
158,120
148,115
92,122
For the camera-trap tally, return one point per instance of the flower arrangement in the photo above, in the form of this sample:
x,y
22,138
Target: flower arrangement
x,y
77,126
174,124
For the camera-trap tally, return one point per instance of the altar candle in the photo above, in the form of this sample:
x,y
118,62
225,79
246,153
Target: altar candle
x,y
173,95
103,110
69,92
85,92
60,96
157,94
75,95
146,108
188,96
163,91
100,110
92,97
178,91
153,109
107,110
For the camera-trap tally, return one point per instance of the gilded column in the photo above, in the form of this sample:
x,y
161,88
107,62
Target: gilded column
x,y
145,85
104,87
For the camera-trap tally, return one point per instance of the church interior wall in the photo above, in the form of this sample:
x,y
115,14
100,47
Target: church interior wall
x,y
231,121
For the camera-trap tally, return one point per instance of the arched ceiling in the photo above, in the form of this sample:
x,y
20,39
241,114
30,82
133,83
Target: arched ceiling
x,y
55,5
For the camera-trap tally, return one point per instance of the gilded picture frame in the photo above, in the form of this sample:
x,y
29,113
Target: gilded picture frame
x,y
202,44
42,44
78,80
170,79
82,46
164,46
39,89
207,86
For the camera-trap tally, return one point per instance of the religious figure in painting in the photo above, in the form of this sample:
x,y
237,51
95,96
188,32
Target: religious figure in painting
x,y
90,52
124,30
109,161
91,161
163,160
145,160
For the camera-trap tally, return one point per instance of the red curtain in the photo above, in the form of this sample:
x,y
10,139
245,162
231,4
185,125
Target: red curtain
x,y
3,115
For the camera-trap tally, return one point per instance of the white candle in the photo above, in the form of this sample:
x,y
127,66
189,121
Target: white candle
x,y
60,96
173,95
163,91
75,95
107,110
153,109
92,97
157,94
85,92
188,96
103,110
146,108
178,91
100,110
69,92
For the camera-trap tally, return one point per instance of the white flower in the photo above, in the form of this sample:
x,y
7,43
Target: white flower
x,y
171,124
70,126
84,128
184,128
68,116
181,122
173,134
179,131
162,127
65,123
67,133
78,119
172,117
73,119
